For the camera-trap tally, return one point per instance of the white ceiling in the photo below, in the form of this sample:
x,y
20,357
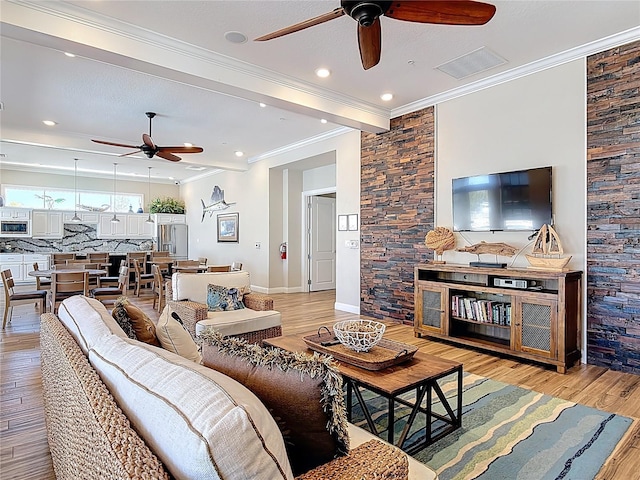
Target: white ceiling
x,y
171,57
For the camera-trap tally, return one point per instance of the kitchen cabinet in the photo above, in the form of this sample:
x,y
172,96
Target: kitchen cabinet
x,y
15,213
20,265
108,229
526,313
85,217
164,218
46,224
137,226
130,226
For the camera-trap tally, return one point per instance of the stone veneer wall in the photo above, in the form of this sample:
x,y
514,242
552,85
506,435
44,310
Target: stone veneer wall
x,y
613,208
76,238
397,209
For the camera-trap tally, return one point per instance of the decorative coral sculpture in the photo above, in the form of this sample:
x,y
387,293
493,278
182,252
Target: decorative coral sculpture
x,y
439,240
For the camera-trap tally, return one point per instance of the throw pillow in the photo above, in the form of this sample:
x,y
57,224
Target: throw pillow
x,y
120,316
175,338
220,298
302,392
142,325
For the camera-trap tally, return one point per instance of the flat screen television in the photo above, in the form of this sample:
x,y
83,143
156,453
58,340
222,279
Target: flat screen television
x,y
509,201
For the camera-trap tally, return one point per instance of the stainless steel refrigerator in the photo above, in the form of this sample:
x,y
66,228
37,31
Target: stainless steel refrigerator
x,y
173,238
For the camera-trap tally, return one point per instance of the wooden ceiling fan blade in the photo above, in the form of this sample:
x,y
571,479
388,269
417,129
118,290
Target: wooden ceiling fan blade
x,y
181,149
338,12
370,42
445,12
115,144
168,156
146,139
130,153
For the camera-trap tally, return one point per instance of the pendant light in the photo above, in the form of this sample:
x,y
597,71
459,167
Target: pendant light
x,y
149,219
114,219
76,218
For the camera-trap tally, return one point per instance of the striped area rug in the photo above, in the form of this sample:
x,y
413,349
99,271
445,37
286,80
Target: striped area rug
x,y
512,433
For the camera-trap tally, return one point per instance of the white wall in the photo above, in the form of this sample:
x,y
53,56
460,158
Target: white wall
x,y
258,193
319,178
534,121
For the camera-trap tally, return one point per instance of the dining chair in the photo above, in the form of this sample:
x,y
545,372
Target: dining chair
x,y
105,281
160,254
202,260
98,257
57,258
65,285
219,268
41,283
12,297
142,259
187,263
108,295
235,266
158,287
142,278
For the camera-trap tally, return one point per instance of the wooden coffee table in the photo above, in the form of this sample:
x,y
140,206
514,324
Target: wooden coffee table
x,y
421,373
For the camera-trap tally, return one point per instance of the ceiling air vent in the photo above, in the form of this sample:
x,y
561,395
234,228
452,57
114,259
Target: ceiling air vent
x,y
471,63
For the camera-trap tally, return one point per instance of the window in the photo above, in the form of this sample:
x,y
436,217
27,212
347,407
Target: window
x,y
61,199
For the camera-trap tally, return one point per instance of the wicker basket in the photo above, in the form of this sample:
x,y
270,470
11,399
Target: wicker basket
x,y
359,335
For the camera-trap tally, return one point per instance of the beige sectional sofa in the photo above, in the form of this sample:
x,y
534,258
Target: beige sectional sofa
x,y
187,295
117,408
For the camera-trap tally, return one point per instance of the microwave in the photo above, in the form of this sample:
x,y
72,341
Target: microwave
x,y
15,228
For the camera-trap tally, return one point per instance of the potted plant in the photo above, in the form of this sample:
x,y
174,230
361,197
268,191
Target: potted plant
x,y
166,205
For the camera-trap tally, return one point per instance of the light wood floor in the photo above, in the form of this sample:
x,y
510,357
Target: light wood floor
x,y
23,446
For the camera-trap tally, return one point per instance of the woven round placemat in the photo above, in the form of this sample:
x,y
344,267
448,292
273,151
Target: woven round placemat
x,y
371,460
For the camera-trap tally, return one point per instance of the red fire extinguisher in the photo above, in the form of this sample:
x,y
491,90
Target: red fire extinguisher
x,y
283,251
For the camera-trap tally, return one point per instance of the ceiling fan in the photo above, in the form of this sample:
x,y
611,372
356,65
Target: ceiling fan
x,y
368,13
150,149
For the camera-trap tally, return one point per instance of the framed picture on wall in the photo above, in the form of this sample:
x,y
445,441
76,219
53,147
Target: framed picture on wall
x,y
342,223
228,227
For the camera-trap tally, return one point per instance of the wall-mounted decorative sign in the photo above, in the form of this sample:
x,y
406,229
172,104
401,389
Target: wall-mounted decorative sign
x,y
342,223
353,222
228,227
217,203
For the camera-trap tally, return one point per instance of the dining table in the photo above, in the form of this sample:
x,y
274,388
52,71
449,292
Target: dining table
x,y
190,268
47,273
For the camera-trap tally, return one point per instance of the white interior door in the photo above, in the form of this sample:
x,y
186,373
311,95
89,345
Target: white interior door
x,y
322,244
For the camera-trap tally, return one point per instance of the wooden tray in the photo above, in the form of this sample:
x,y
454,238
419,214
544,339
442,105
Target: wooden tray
x,y
385,354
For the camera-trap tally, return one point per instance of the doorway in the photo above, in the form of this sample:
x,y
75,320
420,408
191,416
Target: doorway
x,y
320,241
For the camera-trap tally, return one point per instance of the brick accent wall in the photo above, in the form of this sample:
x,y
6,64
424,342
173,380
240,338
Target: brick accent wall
x,y
396,208
613,208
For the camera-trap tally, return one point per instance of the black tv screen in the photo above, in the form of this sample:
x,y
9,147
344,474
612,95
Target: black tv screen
x,y
509,201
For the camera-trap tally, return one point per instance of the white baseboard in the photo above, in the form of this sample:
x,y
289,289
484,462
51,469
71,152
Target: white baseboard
x,y
345,307
269,291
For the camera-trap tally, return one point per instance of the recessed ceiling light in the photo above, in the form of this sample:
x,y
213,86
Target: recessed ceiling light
x,y
323,120
69,54
186,144
323,72
239,153
262,105
49,123
386,96
235,37
195,168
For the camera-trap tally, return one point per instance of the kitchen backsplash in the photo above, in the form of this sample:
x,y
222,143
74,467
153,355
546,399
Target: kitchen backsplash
x,y
77,238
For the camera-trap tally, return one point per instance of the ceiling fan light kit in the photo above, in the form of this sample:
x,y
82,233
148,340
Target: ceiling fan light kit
x,y
150,149
368,13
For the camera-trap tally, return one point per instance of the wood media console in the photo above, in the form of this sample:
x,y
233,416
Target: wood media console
x,y
531,314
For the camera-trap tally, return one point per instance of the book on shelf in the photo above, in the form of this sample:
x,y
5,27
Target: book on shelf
x,y
480,310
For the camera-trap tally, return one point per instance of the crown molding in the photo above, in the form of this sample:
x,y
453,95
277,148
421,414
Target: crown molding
x,y
576,53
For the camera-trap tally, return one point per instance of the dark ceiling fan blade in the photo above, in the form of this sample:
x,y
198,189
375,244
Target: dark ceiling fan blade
x,y
181,149
338,12
130,153
146,139
115,144
370,42
168,156
446,12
